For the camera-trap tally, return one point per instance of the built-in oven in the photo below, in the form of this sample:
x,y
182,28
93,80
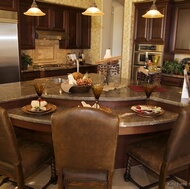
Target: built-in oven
x,y
144,52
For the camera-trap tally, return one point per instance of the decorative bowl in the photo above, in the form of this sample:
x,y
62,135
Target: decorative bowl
x,y
80,89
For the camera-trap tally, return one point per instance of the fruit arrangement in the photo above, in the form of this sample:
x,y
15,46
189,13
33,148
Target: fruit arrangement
x,y
82,80
85,81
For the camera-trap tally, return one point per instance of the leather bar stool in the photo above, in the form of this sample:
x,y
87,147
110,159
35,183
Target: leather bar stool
x,y
84,142
165,155
19,158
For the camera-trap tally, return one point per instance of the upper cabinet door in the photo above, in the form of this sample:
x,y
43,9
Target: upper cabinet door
x,y
181,42
149,30
58,18
141,26
26,27
84,28
157,27
10,5
43,22
78,27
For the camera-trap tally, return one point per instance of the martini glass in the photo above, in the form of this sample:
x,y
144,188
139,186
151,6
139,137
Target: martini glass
x,y
97,91
39,86
148,89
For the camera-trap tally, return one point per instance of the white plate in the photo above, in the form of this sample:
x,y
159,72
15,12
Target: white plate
x,y
147,111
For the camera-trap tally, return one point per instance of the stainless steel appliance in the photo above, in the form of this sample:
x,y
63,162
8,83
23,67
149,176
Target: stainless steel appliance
x,y
9,48
144,52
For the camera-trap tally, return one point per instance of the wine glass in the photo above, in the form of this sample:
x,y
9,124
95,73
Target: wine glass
x,y
148,89
97,91
39,86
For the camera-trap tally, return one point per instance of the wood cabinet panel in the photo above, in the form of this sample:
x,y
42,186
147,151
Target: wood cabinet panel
x,y
141,24
10,5
27,29
85,32
173,81
148,30
54,18
30,75
181,41
78,27
43,22
58,18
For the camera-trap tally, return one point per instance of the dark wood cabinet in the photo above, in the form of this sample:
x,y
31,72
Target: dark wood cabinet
x,y
58,18
26,76
157,30
10,5
172,80
43,22
27,27
78,27
181,27
85,31
149,30
30,75
53,20
71,30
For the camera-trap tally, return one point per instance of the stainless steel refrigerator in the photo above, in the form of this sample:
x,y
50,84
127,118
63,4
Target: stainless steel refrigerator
x,y
9,47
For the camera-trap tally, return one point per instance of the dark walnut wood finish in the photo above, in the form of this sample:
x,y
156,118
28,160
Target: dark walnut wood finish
x,y
180,28
58,18
42,132
30,75
9,5
154,31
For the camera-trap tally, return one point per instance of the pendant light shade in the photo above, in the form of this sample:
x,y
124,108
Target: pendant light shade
x,y
153,12
93,11
34,10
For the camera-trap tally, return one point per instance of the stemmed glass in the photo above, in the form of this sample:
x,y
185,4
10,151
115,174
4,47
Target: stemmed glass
x,y
97,91
39,86
148,89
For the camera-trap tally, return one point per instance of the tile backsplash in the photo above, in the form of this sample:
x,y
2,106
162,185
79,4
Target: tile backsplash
x,y
48,52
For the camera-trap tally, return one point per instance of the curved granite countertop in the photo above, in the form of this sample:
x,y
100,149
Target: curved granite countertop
x,y
23,90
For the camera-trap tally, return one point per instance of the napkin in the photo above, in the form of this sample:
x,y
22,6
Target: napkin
x,y
84,104
71,79
113,86
36,105
69,83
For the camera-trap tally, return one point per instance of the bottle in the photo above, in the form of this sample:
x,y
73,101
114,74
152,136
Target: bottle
x,y
83,58
80,58
146,60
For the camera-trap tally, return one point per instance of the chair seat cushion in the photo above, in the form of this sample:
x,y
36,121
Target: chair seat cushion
x,y
35,154
84,176
149,152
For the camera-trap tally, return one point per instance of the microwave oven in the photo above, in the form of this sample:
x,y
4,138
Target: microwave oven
x,y
144,52
140,58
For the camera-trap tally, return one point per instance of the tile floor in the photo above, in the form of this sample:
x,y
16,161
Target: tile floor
x,y
142,176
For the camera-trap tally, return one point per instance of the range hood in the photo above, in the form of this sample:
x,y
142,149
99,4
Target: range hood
x,y
41,34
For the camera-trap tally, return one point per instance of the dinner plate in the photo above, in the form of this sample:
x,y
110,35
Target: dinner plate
x,y
147,110
49,108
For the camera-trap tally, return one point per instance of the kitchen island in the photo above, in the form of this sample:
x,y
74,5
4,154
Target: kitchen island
x,y
14,96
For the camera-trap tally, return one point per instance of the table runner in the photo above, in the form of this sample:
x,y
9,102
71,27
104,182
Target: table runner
x,y
138,88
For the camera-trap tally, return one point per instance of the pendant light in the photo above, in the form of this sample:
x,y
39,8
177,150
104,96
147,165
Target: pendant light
x,y
93,11
153,12
34,10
